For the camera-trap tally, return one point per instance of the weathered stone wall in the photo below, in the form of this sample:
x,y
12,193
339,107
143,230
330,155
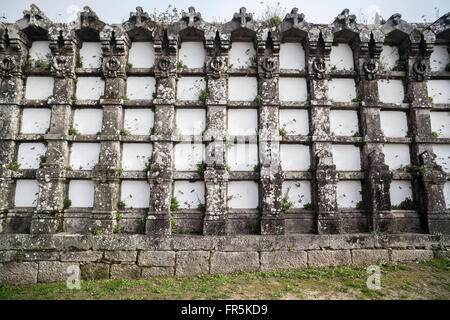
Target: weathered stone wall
x,y
239,128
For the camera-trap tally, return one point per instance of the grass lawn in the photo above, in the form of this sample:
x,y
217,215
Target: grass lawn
x,y
421,280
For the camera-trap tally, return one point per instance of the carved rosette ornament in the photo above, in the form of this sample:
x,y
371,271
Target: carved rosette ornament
x,y
269,65
216,66
164,65
370,69
319,67
7,67
111,67
419,68
60,66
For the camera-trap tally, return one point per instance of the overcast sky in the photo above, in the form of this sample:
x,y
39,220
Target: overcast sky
x,y
317,11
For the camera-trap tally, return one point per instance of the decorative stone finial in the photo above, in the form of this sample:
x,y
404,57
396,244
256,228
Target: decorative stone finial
x,y
191,16
295,17
139,17
243,16
346,19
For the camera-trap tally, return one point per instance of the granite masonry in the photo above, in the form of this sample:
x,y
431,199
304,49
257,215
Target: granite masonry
x,y
146,148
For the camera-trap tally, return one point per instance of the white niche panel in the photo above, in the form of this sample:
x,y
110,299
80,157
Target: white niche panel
x,y
297,192
29,155
242,88
394,123
440,123
292,56
439,58
242,195
39,87
342,90
389,57
294,121
341,57
396,155
81,193
188,88
242,121
447,194
40,50
140,87
391,91
293,89
91,54
240,55
190,121
135,194
188,155
135,156
192,54
139,121
439,90
90,88
442,152
88,121
346,157
84,156
142,55
348,193
27,192
400,190
242,156
344,122
35,120
189,194
294,157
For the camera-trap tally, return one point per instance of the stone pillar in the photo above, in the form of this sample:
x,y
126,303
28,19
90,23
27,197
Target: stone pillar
x,y
105,174
13,52
160,175
324,171
271,177
216,176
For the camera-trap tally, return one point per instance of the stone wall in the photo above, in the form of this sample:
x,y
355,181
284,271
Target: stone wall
x,y
245,127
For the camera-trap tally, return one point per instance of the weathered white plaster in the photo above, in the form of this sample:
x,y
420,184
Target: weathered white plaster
x,y
242,121
190,121
135,194
189,194
192,54
188,155
242,194
389,57
188,88
142,55
135,156
447,194
396,155
294,121
81,193
440,123
442,152
29,155
439,58
341,90
139,121
439,90
394,123
298,192
293,89
88,121
90,88
346,157
140,87
341,57
27,192
242,156
292,56
35,120
391,91
39,87
240,54
399,191
242,88
294,157
40,50
348,193
84,156
91,54
344,122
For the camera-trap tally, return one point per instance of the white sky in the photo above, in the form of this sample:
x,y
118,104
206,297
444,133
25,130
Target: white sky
x,y
317,11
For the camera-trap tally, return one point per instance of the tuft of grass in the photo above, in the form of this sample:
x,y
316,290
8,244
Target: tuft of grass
x,y
73,132
308,206
283,132
201,167
79,63
128,66
141,227
42,64
406,204
203,95
201,207
14,166
96,232
258,98
119,170
360,205
357,99
181,65
42,160
125,98
125,132
356,134
435,134
430,99
174,205
121,205
257,168
67,203
286,205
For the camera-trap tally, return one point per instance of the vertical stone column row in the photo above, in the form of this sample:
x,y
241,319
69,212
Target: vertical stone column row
x,y
160,175
326,177
13,52
216,175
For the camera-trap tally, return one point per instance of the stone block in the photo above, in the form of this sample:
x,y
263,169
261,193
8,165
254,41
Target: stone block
x,y
156,258
227,262
94,271
324,258
18,273
81,256
121,256
411,255
53,271
190,263
366,256
125,271
151,272
282,260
